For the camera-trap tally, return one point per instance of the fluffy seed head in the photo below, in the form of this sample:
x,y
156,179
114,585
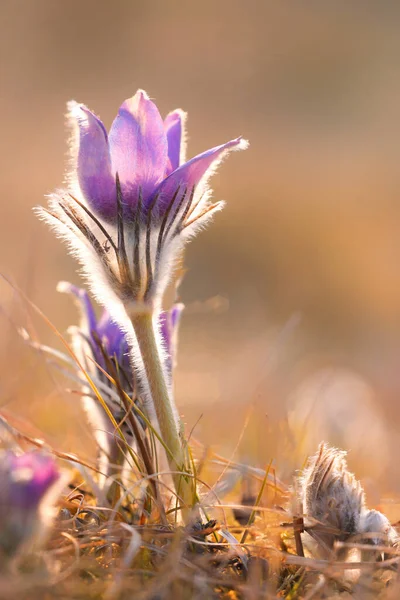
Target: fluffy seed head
x,y
334,503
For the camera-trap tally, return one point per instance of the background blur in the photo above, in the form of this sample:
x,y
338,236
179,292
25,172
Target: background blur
x,y
293,294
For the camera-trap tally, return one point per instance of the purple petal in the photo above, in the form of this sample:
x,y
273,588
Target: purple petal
x,y
173,125
105,329
138,147
85,303
94,163
191,173
114,340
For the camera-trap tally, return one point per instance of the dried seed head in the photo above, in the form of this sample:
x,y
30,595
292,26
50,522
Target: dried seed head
x,y
334,503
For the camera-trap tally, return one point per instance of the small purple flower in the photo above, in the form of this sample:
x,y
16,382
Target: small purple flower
x,y
27,481
132,200
103,335
29,477
113,339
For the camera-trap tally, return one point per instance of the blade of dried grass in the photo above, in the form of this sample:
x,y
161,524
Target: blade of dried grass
x,y
259,474
136,409
257,502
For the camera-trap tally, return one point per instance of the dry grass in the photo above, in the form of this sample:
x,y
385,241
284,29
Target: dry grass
x,y
124,540
249,549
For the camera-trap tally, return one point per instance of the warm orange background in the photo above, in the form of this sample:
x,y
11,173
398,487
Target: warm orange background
x,y
293,294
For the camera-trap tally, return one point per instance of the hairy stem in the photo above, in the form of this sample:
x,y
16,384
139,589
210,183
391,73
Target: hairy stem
x,y
164,409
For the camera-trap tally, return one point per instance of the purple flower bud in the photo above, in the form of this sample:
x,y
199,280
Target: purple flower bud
x,y
104,331
113,339
133,201
26,481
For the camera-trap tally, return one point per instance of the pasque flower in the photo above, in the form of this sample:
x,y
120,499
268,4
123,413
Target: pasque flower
x,y
25,497
130,205
132,200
